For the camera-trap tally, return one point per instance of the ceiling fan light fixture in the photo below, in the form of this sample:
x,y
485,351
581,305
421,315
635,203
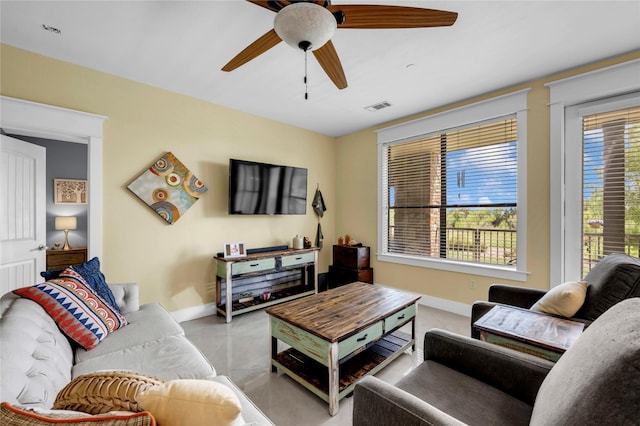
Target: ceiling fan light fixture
x,y
305,26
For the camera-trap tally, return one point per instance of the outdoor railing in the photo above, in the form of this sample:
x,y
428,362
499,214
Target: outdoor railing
x,y
593,249
498,246
490,246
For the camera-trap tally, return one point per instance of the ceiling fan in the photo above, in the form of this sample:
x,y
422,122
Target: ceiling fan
x,y
310,24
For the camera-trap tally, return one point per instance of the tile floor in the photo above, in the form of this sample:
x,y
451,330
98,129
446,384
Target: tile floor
x,y
241,350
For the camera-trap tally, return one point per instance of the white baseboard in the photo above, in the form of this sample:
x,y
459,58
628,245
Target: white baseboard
x,y
446,305
438,303
194,312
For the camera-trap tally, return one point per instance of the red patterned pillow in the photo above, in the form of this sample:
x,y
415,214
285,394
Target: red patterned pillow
x,y
10,415
80,313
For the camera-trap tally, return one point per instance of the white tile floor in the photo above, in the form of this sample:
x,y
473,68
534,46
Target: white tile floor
x,y
242,349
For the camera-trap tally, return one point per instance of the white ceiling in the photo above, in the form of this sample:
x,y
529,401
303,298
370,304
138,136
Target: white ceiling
x,y
181,46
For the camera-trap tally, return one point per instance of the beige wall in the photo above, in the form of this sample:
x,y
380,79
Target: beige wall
x,y
173,263
356,176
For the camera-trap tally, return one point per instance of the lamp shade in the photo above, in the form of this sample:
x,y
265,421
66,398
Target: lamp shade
x,y
66,222
305,22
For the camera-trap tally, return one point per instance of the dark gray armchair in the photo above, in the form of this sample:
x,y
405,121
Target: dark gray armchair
x,y
616,277
468,381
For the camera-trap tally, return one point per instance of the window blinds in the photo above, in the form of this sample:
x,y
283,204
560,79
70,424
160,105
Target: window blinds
x,y
448,193
611,184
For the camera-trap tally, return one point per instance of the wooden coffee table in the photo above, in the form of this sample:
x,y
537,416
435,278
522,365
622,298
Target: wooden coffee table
x,y
341,335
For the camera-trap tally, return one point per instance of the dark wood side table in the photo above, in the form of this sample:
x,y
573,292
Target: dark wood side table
x,y
61,259
350,264
538,334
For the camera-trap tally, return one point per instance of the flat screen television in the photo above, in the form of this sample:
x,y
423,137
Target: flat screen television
x,y
261,188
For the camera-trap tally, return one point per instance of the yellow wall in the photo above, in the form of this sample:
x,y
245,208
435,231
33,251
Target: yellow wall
x,y
356,176
173,263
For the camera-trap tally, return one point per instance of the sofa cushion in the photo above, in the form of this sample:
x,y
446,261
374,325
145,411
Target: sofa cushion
x,y
79,312
104,391
16,416
169,358
601,370
201,401
35,357
90,271
151,322
563,300
249,411
616,277
463,397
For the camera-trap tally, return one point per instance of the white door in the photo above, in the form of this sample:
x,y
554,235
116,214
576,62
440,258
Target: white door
x,y
22,213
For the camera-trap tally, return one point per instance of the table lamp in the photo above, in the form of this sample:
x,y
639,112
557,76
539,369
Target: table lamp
x,y
66,223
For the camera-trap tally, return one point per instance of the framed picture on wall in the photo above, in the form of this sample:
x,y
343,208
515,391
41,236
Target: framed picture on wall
x,y
232,250
69,191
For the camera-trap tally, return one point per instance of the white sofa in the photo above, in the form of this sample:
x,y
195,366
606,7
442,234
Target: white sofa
x,y
37,360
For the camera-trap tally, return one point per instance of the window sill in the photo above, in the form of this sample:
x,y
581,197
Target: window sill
x,y
492,271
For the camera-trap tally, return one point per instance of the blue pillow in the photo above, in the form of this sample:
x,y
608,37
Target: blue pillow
x,y
90,271
51,274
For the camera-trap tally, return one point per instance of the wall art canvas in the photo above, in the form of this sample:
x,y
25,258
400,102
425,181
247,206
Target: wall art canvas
x,y
168,187
69,191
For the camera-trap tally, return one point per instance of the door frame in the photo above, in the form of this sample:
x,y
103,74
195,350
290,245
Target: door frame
x,y
26,118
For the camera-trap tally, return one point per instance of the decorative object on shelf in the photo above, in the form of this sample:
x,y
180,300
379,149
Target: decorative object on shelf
x,y
168,187
347,239
298,242
340,241
66,223
233,250
69,191
306,243
245,298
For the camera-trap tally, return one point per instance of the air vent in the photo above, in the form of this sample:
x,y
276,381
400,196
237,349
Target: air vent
x,y
378,106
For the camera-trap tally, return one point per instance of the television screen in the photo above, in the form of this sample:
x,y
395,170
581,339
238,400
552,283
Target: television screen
x,y
260,188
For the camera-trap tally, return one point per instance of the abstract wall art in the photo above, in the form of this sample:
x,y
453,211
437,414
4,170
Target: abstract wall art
x,y
168,187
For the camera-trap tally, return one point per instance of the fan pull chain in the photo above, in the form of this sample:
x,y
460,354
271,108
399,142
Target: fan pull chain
x,y
306,87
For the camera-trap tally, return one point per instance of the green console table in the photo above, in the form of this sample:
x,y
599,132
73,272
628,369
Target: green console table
x,y
284,275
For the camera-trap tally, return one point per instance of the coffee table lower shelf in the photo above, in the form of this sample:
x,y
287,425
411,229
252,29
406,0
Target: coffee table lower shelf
x,y
315,376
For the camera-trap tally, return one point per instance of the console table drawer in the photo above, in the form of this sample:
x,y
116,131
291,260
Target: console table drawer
x,y
399,318
360,339
253,266
297,259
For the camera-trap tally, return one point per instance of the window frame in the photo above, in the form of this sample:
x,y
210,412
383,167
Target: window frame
x,y
574,176
602,85
511,104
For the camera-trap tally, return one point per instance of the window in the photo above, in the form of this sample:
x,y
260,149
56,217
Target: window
x,y
583,111
449,197
610,182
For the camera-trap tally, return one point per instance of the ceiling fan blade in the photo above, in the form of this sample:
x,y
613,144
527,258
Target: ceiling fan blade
x,y
272,5
254,50
330,63
381,17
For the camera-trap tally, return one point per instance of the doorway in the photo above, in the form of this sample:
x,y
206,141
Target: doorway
x,y
25,118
